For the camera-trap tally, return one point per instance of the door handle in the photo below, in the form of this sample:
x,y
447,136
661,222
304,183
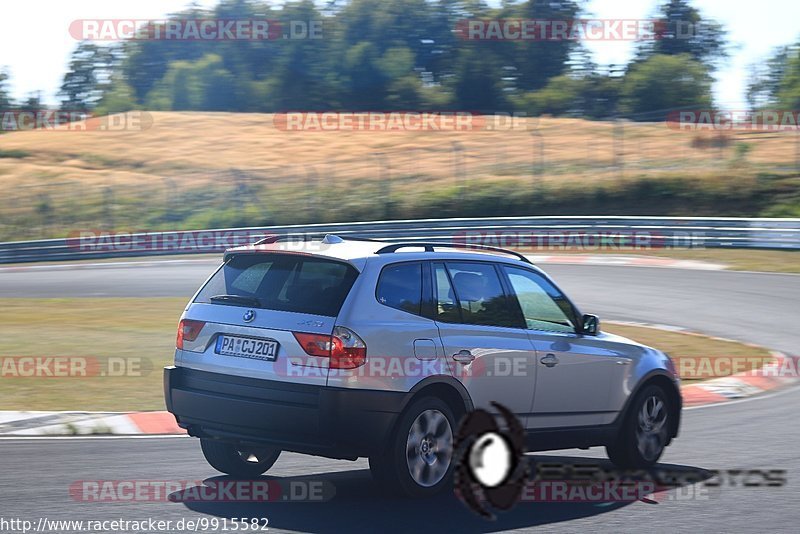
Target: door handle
x,y
463,356
550,360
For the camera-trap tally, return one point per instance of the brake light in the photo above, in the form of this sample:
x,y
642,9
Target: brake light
x,y
188,330
314,344
344,348
349,351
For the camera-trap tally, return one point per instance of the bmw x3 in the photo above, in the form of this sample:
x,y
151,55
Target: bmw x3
x,y
349,349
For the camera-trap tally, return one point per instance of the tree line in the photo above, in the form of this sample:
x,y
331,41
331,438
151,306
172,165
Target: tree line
x,y
407,54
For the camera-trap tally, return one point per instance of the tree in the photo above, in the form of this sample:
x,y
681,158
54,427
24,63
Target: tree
x,y
788,93
5,97
382,50
196,85
88,71
661,83
538,61
146,61
561,96
683,30
477,81
776,82
117,97
301,77
600,96
33,102
765,78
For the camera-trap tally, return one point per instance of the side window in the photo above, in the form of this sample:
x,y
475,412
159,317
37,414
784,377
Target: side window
x,y
400,286
543,306
479,295
446,306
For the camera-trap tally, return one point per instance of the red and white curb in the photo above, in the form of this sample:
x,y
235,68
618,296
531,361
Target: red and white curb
x,y
781,371
87,423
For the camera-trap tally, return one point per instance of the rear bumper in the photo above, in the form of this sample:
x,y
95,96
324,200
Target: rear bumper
x,y
333,422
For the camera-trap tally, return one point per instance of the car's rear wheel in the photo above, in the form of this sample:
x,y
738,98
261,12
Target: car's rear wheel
x,y
418,460
645,431
237,461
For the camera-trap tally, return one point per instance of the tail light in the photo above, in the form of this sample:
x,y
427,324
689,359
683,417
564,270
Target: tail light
x,y
188,330
349,351
344,348
314,344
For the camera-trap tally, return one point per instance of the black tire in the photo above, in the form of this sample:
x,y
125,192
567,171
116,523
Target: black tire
x,y
642,439
238,462
392,468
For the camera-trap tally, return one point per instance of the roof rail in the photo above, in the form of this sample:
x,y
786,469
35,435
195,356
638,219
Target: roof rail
x,y
429,246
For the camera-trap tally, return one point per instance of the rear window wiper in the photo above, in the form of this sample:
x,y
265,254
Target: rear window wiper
x,y
237,299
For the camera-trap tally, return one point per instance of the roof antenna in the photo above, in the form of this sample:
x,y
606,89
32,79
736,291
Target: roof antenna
x,y
331,239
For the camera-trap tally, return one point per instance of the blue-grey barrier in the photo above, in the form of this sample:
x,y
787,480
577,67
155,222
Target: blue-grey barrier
x,y
537,233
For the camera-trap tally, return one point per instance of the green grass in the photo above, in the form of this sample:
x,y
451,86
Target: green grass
x,y
14,153
683,346
130,328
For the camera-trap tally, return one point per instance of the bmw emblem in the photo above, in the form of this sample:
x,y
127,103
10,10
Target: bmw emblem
x,y
249,315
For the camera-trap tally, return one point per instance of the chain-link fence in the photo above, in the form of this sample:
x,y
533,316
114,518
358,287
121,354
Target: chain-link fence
x,y
381,176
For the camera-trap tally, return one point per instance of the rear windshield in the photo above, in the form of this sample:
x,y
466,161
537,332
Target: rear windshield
x,y
281,282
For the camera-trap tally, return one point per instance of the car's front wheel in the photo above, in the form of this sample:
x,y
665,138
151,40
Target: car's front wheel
x,y
238,461
418,460
645,431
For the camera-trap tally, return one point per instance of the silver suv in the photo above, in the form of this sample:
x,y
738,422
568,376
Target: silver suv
x,y
352,348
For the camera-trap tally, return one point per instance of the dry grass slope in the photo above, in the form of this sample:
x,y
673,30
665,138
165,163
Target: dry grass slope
x,y
78,179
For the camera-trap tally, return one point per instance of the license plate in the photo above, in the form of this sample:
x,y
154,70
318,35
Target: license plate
x,y
247,347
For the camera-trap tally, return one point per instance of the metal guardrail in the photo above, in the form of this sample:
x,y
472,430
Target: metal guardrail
x,y
537,233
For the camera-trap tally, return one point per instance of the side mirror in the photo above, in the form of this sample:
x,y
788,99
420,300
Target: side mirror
x,y
591,325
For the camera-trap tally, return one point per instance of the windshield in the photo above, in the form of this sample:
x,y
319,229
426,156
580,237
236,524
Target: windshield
x,y
281,282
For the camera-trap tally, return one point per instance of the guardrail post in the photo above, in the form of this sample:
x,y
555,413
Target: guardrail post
x,y
458,169
538,151
311,188
619,146
108,207
385,183
797,150
45,210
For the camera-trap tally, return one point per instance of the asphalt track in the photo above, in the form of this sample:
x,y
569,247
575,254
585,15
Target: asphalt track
x,y
759,433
